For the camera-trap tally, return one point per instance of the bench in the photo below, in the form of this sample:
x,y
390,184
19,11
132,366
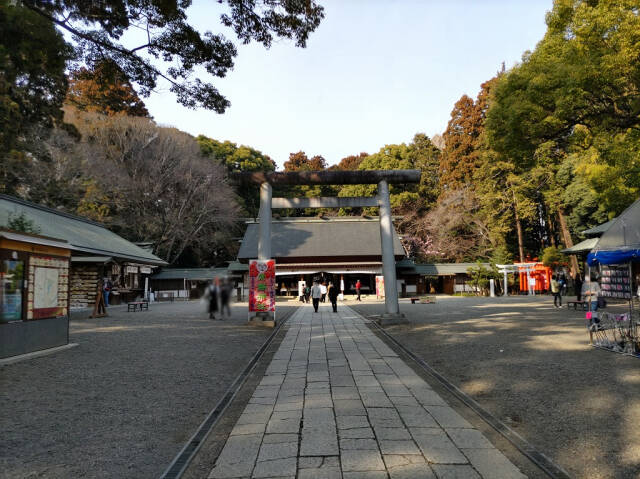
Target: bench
x,y
137,306
584,304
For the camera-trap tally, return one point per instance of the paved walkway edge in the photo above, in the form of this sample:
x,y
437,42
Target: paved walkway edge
x,y
525,447
182,460
36,354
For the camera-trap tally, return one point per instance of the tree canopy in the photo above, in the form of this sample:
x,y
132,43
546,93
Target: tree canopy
x,y
33,56
104,89
300,162
238,159
173,50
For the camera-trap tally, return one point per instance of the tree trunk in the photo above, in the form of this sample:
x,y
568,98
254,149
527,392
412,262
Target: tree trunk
x,y
568,242
519,230
552,231
518,227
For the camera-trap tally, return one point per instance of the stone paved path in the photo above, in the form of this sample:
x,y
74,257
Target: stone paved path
x,y
337,402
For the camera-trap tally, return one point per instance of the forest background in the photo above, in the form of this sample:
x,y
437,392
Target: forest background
x,y
547,149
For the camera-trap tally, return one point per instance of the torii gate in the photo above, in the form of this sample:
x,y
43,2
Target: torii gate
x,y
516,268
380,177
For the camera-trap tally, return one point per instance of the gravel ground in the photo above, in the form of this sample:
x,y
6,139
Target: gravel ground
x,y
530,365
122,403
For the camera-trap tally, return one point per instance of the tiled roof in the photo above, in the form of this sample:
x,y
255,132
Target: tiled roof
x,y
598,230
82,234
194,274
446,269
325,238
582,247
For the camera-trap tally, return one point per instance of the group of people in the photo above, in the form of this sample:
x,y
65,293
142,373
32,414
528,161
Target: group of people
x,y
218,296
324,291
320,291
589,290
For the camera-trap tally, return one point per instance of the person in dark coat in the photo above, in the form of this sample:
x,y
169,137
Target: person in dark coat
x,y
332,292
211,294
307,294
225,299
578,286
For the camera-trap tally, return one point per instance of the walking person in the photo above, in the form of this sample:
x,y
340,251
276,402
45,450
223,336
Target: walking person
x,y
302,286
211,295
323,290
563,284
555,290
316,294
332,292
307,294
358,286
225,299
106,289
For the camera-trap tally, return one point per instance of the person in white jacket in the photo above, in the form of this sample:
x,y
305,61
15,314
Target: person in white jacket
x,y
316,294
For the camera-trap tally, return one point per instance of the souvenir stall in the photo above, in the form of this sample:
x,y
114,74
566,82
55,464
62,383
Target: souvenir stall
x,y
34,293
615,264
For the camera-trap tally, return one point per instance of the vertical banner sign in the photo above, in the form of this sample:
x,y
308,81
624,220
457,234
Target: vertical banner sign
x,y
380,286
262,285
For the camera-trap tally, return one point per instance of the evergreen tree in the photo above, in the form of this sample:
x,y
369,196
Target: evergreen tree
x,y
238,159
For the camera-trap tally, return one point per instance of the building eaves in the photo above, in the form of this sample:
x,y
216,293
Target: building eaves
x,y
193,274
582,247
600,229
83,235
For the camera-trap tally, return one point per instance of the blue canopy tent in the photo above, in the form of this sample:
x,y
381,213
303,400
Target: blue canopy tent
x,y
613,257
617,257
620,244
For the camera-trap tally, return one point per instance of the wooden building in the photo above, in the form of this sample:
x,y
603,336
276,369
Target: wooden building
x,y
97,253
346,249
435,278
185,283
330,249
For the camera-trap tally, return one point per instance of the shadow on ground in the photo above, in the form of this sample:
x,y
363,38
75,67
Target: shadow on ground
x,y
530,365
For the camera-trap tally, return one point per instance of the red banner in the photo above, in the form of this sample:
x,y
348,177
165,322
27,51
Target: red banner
x,y
380,286
262,285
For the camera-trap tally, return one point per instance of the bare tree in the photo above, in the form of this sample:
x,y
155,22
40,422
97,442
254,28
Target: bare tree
x,y
158,186
451,231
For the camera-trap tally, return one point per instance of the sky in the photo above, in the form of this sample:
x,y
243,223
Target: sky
x,y
374,73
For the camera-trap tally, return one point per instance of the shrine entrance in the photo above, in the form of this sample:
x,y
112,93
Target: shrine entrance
x,y
381,178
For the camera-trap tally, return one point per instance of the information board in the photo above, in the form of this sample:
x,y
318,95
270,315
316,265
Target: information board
x,y
262,285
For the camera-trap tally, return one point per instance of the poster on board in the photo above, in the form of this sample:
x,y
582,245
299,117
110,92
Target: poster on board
x,y
45,288
262,285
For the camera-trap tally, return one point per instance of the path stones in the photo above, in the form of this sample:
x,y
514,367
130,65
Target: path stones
x,y
361,460
437,447
336,402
